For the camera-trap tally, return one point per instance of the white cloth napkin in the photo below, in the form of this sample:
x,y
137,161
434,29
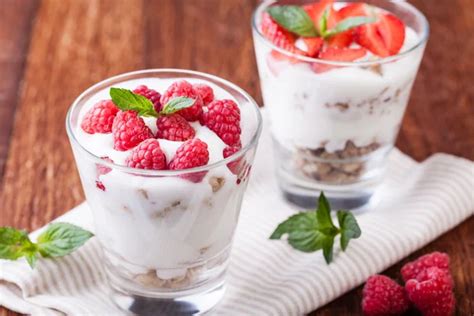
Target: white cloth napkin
x,y
418,202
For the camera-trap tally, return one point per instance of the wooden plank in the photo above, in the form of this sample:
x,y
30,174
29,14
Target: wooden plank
x,y
14,38
73,45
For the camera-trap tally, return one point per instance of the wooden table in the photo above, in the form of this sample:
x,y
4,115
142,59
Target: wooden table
x,y
52,50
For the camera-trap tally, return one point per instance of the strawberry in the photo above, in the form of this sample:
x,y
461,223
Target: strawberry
x,y
383,38
314,45
353,9
277,34
338,54
341,40
316,10
392,31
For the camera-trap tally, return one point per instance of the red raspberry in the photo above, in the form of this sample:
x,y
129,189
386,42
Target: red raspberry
x,y
383,296
435,259
184,89
233,166
193,153
433,293
100,118
206,92
101,170
150,94
174,127
129,130
223,117
147,155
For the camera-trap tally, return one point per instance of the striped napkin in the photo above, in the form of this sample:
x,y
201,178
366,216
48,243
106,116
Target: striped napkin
x,y
418,202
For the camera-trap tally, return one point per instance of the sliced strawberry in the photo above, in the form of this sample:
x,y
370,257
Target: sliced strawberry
x,y
316,10
353,9
368,36
383,38
338,54
341,40
314,45
392,31
276,34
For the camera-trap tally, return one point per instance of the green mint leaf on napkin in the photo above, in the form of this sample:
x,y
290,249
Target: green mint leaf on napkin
x,y
59,239
349,228
315,230
177,104
347,24
294,19
15,244
126,100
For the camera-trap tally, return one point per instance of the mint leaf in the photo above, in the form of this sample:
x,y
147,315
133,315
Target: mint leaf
x,y
312,231
14,243
347,24
323,22
31,258
126,100
60,239
177,104
294,19
328,243
349,228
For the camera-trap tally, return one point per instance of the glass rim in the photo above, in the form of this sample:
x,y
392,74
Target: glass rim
x,y
147,172
421,41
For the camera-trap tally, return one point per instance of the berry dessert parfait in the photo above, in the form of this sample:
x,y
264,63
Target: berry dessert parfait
x,y
164,158
336,78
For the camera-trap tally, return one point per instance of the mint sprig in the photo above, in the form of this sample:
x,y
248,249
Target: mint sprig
x,y
59,239
294,19
312,231
127,100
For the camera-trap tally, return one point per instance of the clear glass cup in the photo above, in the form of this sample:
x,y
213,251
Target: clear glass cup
x,y
333,124
166,240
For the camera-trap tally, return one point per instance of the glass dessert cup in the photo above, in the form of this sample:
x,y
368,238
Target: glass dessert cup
x,y
165,239
333,124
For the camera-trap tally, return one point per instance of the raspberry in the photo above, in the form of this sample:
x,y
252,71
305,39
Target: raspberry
x,y
184,89
223,117
174,127
233,166
101,170
383,296
206,92
150,94
129,130
147,155
100,118
432,293
435,259
193,153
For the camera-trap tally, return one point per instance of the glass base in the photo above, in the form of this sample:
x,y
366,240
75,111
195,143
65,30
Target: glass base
x,y
198,302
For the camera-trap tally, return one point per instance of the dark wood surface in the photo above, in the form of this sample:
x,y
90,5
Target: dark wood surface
x,y
51,50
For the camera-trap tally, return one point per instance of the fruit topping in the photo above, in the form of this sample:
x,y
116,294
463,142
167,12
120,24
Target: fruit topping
x,y
147,155
206,92
223,117
129,130
100,117
151,95
183,88
338,54
174,127
193,153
